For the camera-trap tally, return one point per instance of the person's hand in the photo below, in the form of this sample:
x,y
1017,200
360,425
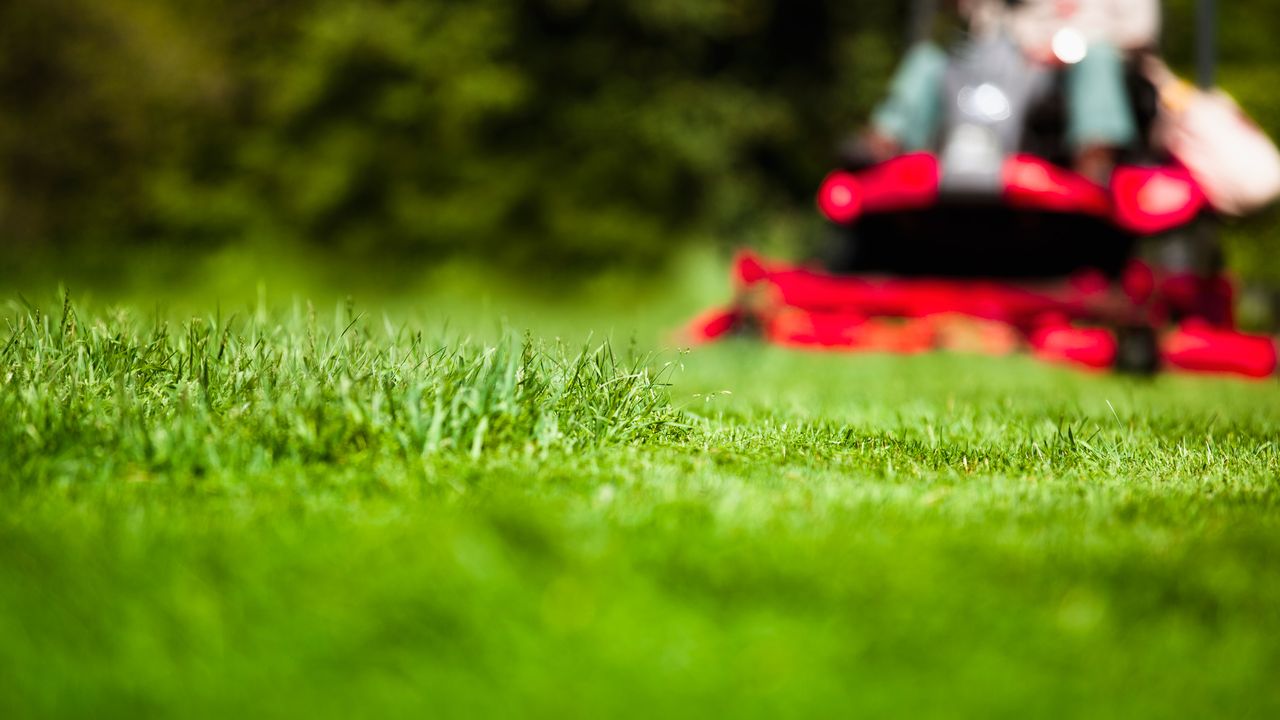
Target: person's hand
x,y
1096,162
881,147
868,148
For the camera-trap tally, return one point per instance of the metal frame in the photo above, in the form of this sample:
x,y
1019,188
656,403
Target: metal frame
x,y
920,27
1206,42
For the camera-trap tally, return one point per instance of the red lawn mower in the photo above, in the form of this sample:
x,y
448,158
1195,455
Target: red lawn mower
x,y
992,244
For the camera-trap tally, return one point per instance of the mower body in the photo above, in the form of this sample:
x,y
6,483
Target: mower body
x,y
996,228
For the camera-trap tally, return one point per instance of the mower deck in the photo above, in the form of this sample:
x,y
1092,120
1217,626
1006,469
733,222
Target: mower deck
x,y
1087,320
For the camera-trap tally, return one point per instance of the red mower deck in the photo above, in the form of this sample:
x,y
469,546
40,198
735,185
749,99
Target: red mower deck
x,y
1080,321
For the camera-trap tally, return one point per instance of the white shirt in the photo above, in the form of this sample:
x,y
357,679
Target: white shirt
x,y
1124,24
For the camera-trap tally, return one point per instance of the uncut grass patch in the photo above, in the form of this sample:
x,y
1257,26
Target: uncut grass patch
x,y
212,394
245,516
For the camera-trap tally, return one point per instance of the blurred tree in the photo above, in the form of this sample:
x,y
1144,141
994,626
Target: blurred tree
x,y
569,132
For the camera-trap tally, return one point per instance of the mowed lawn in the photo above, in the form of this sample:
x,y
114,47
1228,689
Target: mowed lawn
x,y
294,514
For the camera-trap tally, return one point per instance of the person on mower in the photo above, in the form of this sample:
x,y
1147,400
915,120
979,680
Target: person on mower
x,y
1090,40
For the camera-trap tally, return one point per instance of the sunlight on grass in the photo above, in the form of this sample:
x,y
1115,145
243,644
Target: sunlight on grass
x,y
277,513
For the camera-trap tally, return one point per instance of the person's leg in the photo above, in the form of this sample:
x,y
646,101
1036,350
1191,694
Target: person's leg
x,y
911,113
1100,116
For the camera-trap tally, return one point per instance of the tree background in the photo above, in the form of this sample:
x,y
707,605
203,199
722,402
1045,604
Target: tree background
x,y
572,134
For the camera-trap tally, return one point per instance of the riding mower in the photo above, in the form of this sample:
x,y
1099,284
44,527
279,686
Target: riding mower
x,y
993,244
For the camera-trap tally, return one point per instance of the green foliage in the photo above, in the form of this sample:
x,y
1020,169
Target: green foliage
x,y
249,517
560,132
564,132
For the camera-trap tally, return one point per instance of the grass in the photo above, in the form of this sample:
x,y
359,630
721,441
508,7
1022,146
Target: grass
x,y
291,513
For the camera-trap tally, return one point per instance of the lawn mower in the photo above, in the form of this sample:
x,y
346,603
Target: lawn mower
x,y
992,243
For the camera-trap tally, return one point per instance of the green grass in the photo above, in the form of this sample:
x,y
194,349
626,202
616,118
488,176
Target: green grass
x,y
279,514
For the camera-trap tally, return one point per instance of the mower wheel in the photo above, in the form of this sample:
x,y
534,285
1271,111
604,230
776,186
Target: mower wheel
x,y
1137,351
1193,250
